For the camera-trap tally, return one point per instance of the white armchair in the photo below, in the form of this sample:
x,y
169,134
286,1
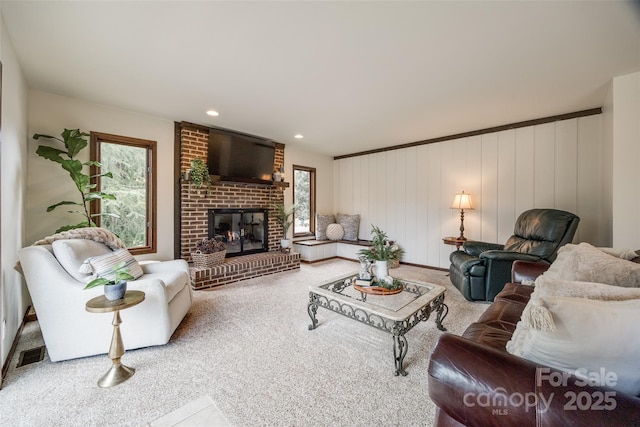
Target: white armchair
x,y
70,331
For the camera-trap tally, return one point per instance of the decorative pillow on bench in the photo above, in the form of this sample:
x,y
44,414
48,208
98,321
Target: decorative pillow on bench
x,y
350,224
335,232
322,222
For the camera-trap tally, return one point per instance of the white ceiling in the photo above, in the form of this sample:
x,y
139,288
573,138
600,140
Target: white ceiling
x,y
349,76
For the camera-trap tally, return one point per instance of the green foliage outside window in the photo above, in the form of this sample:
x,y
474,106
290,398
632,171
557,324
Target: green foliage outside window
x,y
128,165
302,192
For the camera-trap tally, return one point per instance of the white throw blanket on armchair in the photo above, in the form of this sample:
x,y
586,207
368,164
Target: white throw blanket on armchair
x,y
97,234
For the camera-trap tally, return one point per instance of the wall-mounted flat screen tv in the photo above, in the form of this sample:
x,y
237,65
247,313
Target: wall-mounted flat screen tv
x,y
240,158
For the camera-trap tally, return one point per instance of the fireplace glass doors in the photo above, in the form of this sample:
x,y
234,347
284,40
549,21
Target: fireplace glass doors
x,y
244,231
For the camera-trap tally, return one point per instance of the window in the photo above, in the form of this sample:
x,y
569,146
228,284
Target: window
x,y
304,196
132,215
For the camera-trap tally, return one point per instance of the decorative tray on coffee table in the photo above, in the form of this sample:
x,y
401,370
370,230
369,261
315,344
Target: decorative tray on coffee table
x,y
378,290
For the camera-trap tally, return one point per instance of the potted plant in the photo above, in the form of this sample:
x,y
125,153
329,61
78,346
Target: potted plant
x,y
115,287
382,252
199,173
74,142
209,253
284,218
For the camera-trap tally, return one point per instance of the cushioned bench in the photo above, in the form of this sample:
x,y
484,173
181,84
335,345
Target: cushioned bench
x,y
319,250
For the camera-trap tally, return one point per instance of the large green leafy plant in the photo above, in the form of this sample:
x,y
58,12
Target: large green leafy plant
x,y
74,142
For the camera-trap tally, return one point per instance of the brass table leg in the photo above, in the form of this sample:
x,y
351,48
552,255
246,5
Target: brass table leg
x,y
118,373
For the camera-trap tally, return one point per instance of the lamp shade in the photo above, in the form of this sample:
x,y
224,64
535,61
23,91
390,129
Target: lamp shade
x,y
462,201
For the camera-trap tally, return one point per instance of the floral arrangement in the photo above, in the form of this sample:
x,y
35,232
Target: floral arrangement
x,y
210,246
382,249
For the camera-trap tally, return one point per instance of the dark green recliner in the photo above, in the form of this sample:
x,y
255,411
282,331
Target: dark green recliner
x,y
480,270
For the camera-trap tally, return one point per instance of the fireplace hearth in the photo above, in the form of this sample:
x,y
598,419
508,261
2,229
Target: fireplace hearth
x,y
244,230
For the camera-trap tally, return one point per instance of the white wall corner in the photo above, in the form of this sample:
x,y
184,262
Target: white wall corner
x,y
626,157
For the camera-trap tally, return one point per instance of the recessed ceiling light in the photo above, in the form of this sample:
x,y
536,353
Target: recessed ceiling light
x,y
212,113
298,136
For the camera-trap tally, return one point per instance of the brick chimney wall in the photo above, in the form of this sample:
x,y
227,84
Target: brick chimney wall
x,y
196,202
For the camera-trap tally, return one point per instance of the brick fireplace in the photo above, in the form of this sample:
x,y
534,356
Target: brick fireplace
x,y
243,231
196,203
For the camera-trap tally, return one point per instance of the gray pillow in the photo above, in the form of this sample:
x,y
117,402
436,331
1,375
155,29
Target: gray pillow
x,y
350,224
322,222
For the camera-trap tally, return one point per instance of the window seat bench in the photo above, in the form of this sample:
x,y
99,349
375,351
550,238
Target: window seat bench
x,y
319,250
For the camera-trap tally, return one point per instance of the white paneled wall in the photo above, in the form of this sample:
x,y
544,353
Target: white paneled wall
x,y
408,192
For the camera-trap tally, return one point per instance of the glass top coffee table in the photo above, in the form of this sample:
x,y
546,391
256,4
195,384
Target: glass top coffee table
x,y
395,314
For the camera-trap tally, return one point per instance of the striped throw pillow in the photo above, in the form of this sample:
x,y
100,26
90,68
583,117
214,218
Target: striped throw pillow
x,y
103,265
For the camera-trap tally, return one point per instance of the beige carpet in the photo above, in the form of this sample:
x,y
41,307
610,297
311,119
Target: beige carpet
x,y
246,347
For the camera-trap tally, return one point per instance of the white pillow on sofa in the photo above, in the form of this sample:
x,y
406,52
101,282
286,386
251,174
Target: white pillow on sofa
x,y
586,263
546,285
589,335
71,254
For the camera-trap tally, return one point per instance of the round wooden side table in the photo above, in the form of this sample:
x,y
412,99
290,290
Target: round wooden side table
x,y
118,373
454,241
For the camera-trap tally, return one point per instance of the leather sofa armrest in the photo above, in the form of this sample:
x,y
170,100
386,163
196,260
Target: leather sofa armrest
x,y
477,385
527,270
476,248
498,255
462,372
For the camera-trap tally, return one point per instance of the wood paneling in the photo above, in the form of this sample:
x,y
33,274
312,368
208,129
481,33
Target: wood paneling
x,y
407,192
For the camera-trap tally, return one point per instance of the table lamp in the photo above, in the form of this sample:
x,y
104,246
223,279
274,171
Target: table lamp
x,y
462,201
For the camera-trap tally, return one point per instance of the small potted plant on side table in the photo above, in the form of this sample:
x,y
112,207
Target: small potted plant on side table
x,y
114,288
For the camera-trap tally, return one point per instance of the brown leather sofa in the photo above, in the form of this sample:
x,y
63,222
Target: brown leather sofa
x,y
474,381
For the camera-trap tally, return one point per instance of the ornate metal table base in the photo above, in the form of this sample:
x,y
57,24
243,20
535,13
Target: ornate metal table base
x,y
442,310
428,298
400,347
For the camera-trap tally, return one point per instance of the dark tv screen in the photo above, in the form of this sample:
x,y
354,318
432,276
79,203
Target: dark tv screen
x,y
233,156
